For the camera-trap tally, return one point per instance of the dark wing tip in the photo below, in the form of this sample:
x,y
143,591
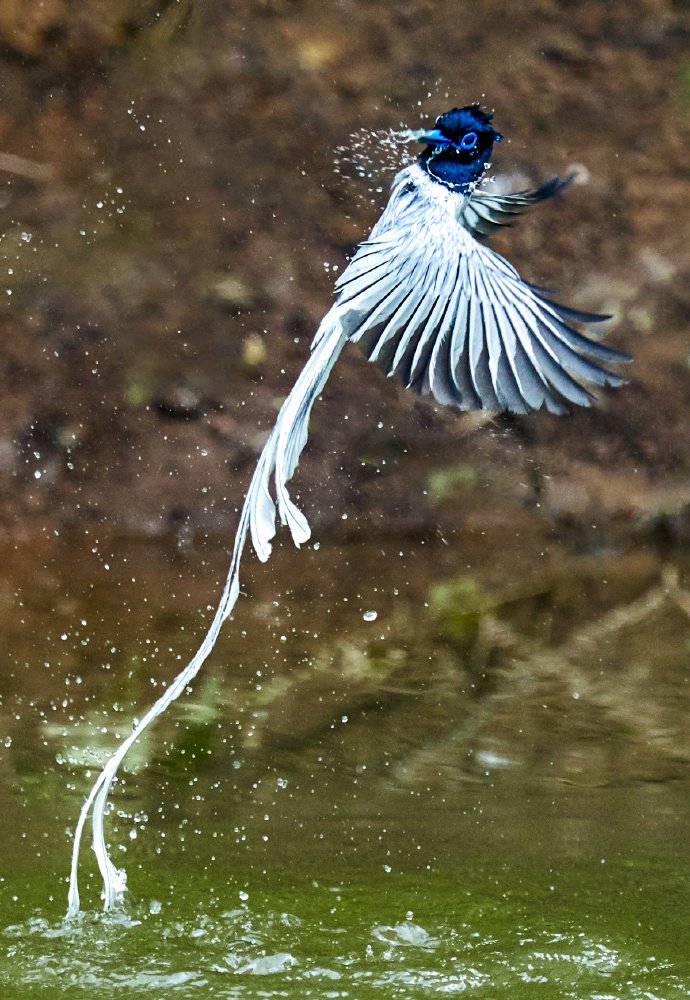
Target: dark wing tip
x,y
550,188
486,211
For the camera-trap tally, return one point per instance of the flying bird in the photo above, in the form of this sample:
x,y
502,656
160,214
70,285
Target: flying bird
x,y
434,308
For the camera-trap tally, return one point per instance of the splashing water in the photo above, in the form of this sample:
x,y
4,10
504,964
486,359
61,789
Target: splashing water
x,y
372,154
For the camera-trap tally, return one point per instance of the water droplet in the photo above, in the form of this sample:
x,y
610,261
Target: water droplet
x,y
370,616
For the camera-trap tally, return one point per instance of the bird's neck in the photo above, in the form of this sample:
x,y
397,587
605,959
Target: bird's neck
x,y
446,167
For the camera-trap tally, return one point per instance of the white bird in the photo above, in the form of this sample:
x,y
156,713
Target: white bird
x,y
438,310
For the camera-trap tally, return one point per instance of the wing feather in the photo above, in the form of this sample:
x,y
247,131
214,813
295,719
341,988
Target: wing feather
x,y
437,377
486,211
460,354
544,360
557,336
532,385
447,316
435,325
396,322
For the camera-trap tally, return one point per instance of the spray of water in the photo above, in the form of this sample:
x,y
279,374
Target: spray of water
x,y
372,153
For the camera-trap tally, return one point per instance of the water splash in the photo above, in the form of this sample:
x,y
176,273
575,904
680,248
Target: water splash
x,y
371,155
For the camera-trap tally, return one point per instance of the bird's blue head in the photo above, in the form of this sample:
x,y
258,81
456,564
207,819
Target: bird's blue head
x,y
459,147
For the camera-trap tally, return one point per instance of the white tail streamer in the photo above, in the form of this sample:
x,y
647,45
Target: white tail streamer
x,y
279,458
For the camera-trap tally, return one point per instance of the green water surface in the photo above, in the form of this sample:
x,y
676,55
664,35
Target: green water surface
x,y
394,783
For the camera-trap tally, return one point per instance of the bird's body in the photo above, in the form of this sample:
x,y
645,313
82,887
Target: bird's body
x,y
434,307
446,315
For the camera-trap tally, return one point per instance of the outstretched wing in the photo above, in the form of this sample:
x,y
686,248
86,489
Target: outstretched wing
x,y
447,316
484,212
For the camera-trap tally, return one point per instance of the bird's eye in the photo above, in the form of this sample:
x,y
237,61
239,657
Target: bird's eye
x,y
469,140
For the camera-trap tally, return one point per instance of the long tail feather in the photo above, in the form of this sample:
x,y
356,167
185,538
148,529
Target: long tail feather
x,y
278,458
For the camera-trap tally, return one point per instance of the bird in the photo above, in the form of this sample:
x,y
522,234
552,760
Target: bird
x,y
435,308
446,315
440,311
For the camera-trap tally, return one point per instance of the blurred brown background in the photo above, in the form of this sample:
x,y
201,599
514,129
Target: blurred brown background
x,y
171,208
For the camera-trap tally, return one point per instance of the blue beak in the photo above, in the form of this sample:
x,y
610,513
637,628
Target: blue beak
x,y
434,137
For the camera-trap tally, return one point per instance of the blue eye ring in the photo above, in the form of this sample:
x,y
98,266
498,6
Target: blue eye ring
x,y
469,140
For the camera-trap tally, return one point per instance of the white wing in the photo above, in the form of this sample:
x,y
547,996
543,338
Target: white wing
x,y
448,316
486,211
